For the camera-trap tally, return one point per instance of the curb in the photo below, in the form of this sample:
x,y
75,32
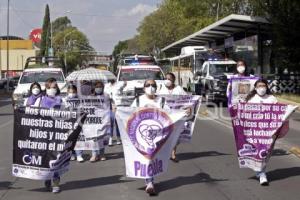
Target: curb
x,y
289,102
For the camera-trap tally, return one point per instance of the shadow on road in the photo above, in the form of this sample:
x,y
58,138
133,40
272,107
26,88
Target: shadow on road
x,y
280,174
193,155
5,185
112,156
94,182
185,180
6,114
279,152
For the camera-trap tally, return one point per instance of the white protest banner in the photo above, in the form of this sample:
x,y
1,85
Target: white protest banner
x,y
191,105
256,128
240,88
148,137
97,126
43,141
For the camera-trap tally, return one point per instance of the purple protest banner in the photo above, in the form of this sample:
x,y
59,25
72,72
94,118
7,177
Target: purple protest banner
x,y
256,128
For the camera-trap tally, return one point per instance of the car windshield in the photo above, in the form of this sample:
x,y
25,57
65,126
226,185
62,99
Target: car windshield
x,y
42,76
140,74
219,69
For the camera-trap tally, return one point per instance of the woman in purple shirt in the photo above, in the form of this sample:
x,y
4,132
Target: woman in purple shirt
x,y
52,100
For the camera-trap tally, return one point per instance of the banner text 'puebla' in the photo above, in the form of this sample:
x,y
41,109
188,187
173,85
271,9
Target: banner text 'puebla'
x,y
148,137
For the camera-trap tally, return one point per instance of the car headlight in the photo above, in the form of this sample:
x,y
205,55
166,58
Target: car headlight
x,y
17,97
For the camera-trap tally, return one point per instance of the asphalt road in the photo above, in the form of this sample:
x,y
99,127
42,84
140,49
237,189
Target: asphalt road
x,y
208,169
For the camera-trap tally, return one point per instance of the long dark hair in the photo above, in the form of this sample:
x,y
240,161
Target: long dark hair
x,y
32,85
246,73
253,92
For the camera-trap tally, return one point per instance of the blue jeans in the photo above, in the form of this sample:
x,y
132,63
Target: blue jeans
x,y
114,122
149,180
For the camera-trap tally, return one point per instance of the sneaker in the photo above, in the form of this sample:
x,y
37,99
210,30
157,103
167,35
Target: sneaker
x,y
48,185
150,189
103,158
80,159
94,158
56,189
73,157
119,142
263,180
110,141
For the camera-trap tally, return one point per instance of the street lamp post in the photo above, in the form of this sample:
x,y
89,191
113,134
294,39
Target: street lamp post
x,y
65,50
7,48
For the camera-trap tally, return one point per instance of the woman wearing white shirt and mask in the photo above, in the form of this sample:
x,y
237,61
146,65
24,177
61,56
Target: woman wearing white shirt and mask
x,y
241,72
261,94
149,99
169,88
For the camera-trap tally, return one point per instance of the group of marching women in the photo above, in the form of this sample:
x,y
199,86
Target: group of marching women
x,y
50,98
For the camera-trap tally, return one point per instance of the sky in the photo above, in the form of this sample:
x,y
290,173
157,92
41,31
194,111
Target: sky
x,y
105,22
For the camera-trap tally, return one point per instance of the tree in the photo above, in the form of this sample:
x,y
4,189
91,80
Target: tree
x,y
74,44
45,40
60,24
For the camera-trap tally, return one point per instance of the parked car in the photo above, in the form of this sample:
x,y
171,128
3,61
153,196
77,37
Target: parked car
x,y
12,82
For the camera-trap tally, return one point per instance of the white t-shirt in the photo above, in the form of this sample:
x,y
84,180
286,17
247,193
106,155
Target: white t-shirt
x,y
144,101
177,90
264,99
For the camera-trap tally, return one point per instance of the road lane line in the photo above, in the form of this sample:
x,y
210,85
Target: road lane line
x,y
6,124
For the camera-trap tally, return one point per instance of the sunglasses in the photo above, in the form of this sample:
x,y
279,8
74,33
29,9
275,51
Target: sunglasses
x,y
148,85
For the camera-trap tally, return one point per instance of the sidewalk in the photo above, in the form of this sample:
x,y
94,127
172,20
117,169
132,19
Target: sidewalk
x,y
285,101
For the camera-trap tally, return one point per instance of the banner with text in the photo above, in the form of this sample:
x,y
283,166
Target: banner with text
x,y
256,128
191,105
43,141
97,126
148,137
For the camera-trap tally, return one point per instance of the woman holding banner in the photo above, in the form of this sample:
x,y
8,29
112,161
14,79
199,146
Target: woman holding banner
x,y
98,91
149,99
52,99
72,95
169,88
35,95
261,94
241,72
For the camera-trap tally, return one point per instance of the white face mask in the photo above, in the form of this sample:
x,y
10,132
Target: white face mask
x,y
261,91
35,91
168,83
241,69
71,95
99,90
51,92
150,90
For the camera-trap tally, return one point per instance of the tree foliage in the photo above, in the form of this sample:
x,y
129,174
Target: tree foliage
x,y
45,40
60,24
73,44
176,19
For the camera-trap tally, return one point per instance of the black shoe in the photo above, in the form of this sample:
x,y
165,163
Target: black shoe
x,y
48,185
175,160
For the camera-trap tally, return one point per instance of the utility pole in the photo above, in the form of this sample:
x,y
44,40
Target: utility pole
x,y
7,48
